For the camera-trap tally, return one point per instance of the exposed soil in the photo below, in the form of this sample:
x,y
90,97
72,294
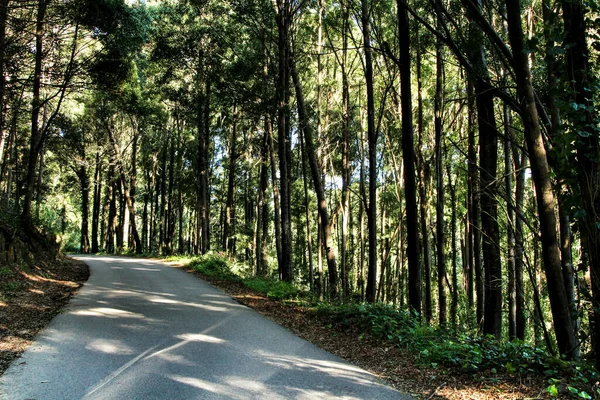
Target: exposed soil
x,y
395,365
30,297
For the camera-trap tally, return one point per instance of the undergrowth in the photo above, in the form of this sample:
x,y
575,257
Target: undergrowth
x,y
217,265
461,352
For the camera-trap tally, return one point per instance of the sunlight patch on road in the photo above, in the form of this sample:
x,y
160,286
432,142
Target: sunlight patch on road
x,y
330,368
246,384
197,337
206,386
108,346
147,269
108,313
224,307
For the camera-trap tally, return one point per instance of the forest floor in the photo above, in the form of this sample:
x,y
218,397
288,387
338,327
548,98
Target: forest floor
x,y
397,366
30,297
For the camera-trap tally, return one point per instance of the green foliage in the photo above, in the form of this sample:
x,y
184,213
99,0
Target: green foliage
x,y
459,351
215,265
272,288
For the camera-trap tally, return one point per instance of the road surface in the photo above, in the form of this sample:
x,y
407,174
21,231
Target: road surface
x,y
139,329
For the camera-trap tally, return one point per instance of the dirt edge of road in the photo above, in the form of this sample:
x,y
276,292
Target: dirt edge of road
x,y
30,296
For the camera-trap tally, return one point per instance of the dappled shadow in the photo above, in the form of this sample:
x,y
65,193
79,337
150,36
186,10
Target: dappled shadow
x,y
155,332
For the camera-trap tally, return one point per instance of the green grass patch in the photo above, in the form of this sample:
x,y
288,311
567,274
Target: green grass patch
x,y
272,288
216,266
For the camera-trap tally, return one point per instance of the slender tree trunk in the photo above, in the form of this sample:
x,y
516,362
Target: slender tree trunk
x,y
510,240
408,152
563,329
276,205
112,208
439,173
423,187
126,193
203,214
97,200
284,20
230,183
346,172
454,303
520,318
3,20
372,149
309,242
84,246
36,134
318,184
133,182
262,207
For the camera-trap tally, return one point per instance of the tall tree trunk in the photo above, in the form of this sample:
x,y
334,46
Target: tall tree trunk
x,y
423,187
454,303
133,181
36,134
439,173
488,157
262,207
408,152
316,177
309,242
346,169
276,205
587,145
520,319
510,211
230,183
284,21
540,170
111,197
372,149
97,201
3,20
84,246
126,193
203,215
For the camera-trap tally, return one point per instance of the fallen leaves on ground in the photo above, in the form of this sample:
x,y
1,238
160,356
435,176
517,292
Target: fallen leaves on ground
x,y
30,297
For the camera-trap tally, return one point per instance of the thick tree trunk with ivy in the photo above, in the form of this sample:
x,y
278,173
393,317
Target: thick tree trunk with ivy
x,y
540,170
587,142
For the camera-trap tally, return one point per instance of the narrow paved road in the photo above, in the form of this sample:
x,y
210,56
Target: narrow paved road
x,y
139,329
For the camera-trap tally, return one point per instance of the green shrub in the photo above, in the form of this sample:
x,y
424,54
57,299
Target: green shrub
x,y
216,266
273,289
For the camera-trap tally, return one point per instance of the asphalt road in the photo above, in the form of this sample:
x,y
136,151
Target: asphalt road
x,y
139,329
